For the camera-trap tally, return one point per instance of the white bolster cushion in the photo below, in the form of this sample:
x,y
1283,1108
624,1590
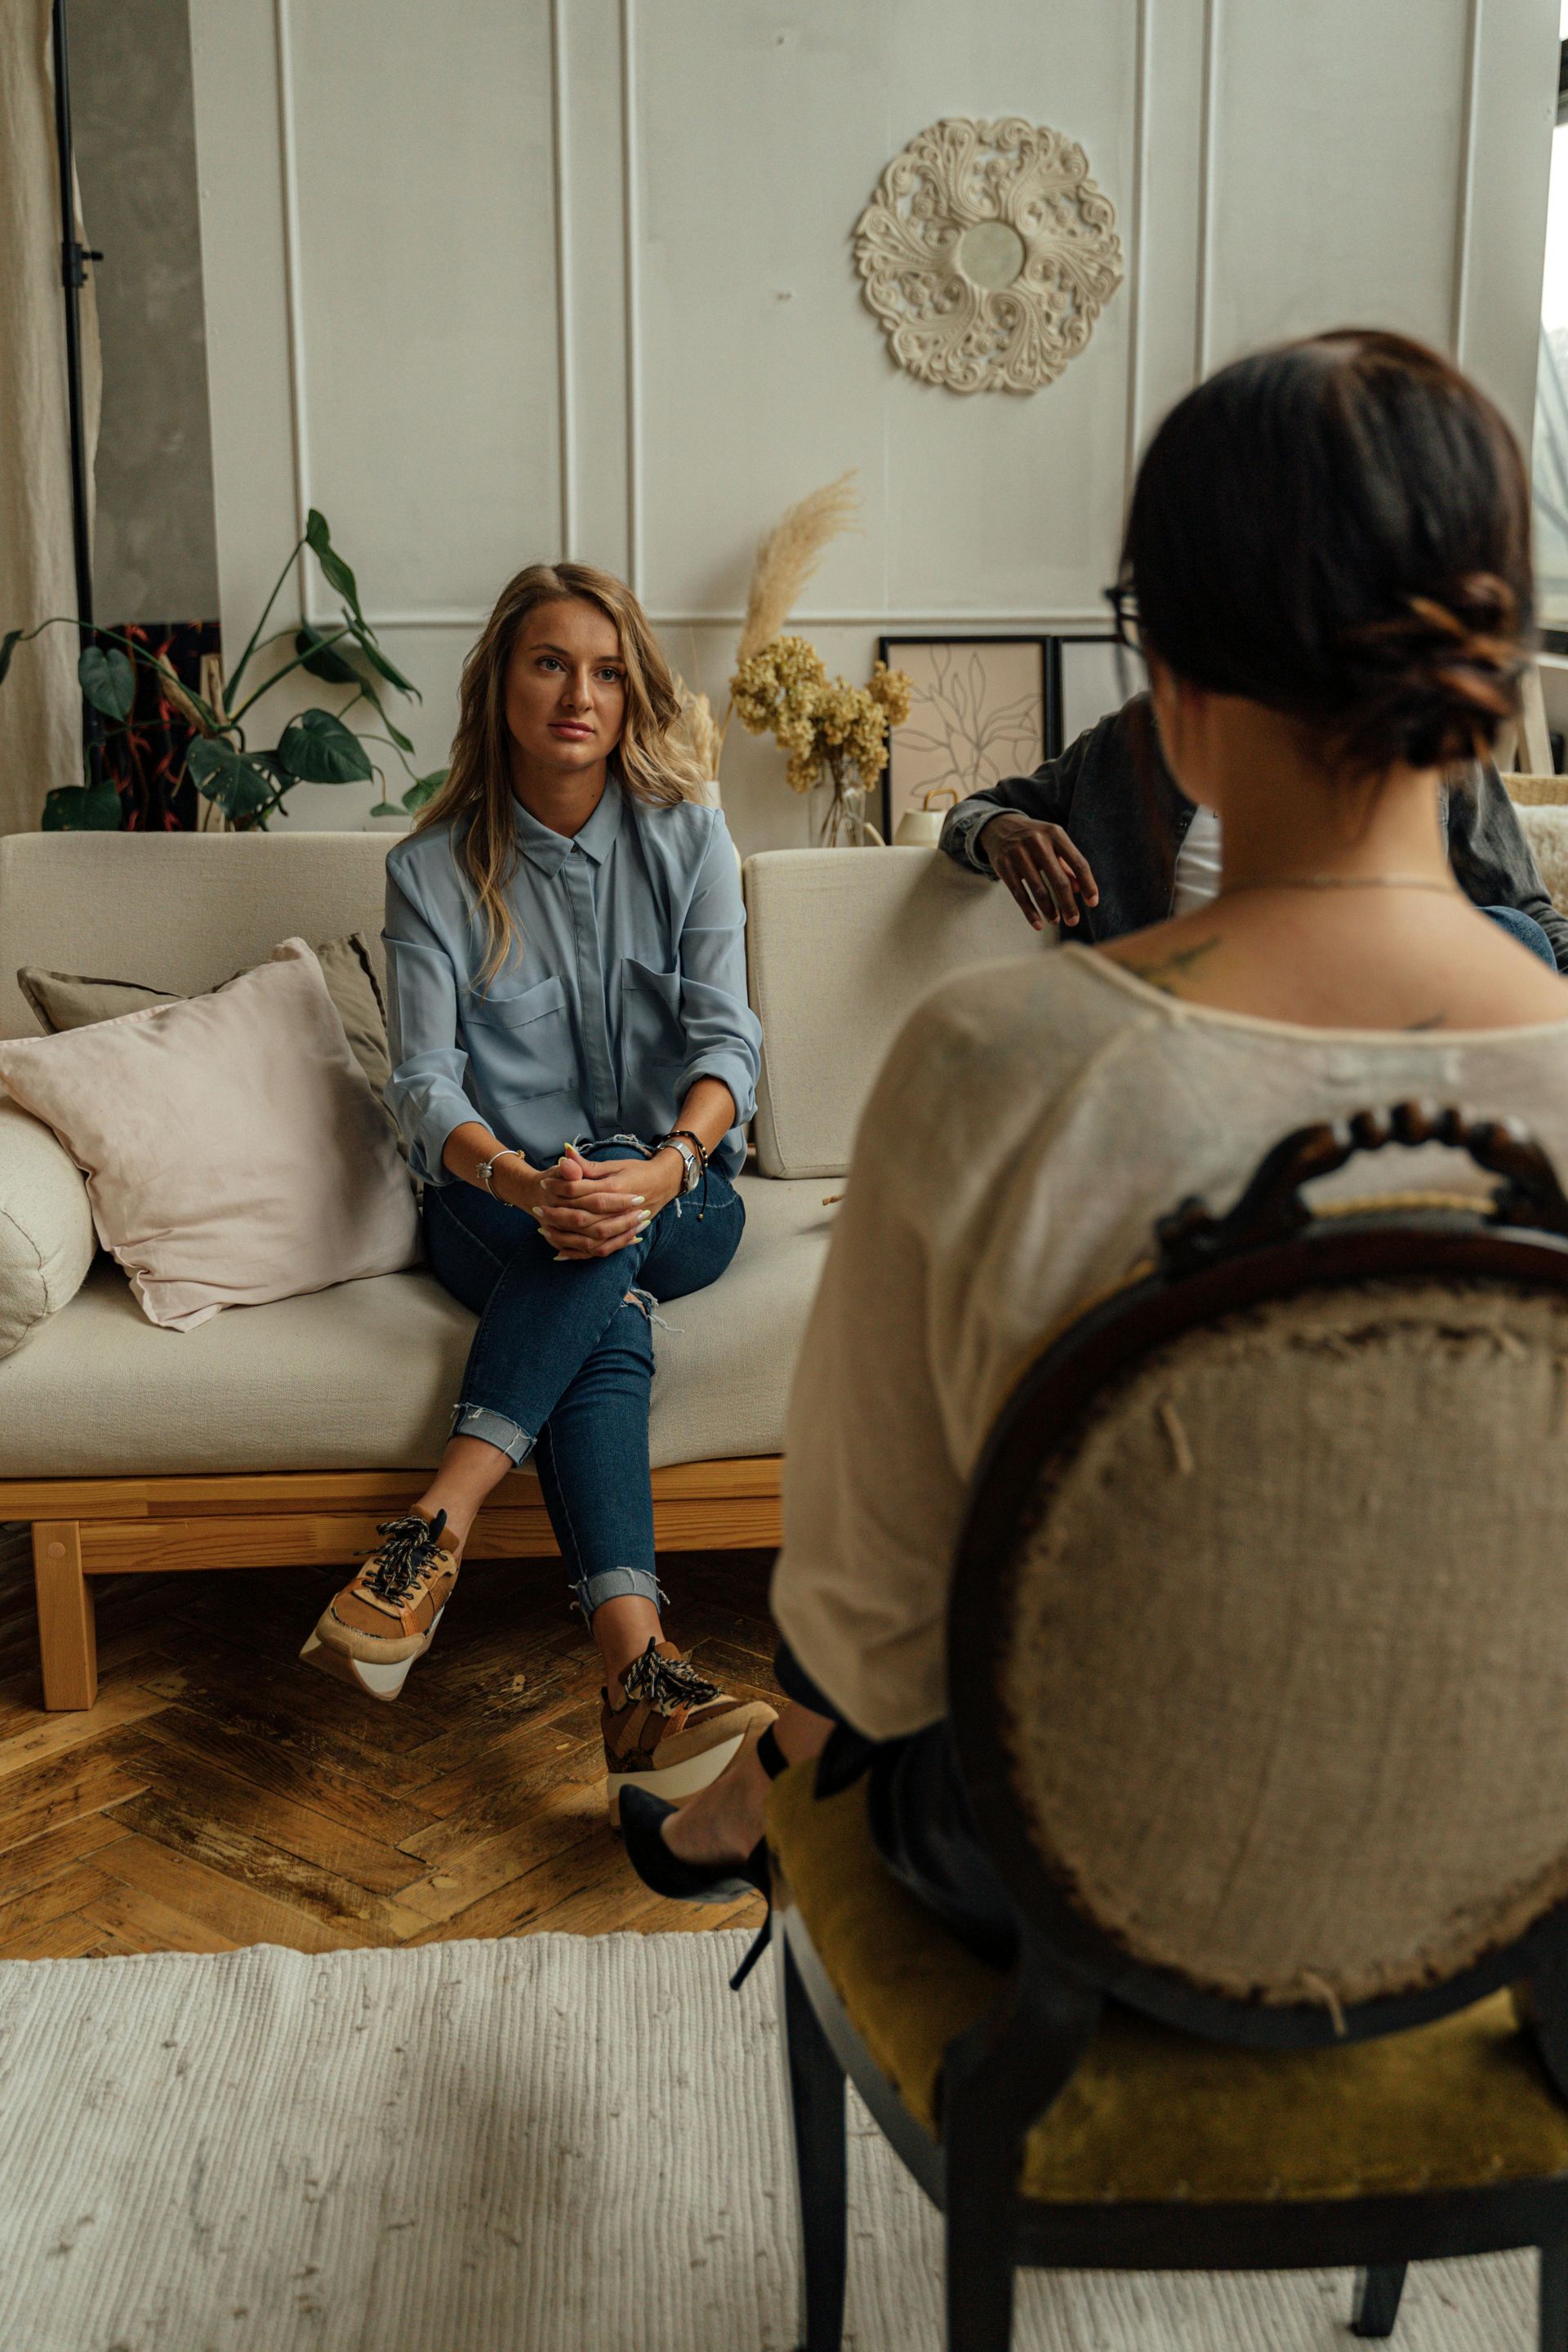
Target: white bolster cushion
x,y
47,1238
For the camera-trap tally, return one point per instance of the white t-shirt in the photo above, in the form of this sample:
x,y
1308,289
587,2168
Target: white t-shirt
x,y
1197,863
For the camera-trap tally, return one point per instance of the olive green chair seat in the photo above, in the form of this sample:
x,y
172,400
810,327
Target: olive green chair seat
x,y
1152,2115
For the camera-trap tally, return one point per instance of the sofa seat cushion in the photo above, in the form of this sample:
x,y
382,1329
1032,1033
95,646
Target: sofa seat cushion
x,y
1154,2114
364,1376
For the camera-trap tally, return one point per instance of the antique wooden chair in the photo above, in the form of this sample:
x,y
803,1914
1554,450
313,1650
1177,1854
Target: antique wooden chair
x,y
1259,1687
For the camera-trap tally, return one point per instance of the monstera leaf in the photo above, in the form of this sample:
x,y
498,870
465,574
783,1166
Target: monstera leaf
x,y
318,749
320,657
81,808
422,789
107,680
241,784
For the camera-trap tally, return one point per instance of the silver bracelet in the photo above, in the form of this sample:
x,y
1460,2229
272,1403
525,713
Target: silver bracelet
x,y
510,1152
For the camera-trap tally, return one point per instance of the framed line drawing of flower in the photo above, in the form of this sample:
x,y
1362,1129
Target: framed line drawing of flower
x,y
979,709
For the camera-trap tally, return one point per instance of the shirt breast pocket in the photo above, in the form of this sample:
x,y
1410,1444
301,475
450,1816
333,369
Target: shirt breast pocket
x,y
522,1039
650,1015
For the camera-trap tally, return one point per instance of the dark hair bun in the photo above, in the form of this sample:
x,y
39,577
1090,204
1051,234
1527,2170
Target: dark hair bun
x,y
1340,529
1431,685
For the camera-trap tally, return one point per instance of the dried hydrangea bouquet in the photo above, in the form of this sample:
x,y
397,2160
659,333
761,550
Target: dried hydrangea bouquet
x,y
835,733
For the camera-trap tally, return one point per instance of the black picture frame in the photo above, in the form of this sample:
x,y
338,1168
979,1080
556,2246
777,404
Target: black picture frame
x,y
1047,647
1127,671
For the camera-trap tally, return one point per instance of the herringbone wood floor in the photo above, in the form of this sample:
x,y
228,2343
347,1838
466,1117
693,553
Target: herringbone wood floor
x,y
221,1793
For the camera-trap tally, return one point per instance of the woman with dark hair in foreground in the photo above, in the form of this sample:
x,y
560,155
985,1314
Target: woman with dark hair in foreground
x,y
1327,567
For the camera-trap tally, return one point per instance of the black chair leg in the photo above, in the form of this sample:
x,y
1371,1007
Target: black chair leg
x,y
1554,2299
981,2206
816,2112
1377,2293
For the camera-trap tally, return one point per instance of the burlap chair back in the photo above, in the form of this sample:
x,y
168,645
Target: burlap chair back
x,y
1285,1668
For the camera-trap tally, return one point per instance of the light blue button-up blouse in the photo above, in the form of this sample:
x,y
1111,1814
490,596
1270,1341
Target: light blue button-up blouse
x,y
627,982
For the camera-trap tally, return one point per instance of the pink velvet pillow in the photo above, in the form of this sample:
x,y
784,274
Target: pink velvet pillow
x,y
233,1149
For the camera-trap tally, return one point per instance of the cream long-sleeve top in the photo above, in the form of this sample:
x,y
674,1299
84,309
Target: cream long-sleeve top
x,y
1031,1123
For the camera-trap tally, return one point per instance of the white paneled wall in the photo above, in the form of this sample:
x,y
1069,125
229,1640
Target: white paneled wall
x,y
510,278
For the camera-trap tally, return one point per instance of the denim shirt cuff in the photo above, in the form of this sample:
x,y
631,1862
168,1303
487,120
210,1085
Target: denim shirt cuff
x,y
960,835
426,1135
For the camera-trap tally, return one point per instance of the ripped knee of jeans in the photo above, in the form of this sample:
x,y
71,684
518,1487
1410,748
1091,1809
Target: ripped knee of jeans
x,y
645,1302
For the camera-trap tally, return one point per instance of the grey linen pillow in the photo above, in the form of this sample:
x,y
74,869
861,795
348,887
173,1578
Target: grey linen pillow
x,y
64,1000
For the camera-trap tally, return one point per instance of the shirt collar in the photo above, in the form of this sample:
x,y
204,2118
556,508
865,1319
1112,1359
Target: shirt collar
x,y
548,850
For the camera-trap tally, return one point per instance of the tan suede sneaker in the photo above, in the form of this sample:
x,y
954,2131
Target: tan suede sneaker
x,y
388,1613
674,1730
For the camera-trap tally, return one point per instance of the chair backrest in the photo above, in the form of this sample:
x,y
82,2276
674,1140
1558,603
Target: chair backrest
x,y
841,946
176,910
1259,1631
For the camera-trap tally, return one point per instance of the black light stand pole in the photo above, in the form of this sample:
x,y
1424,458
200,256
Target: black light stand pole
x,y
74,257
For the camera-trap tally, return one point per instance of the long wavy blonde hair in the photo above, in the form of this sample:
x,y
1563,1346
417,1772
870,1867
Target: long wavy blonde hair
x,y
652,764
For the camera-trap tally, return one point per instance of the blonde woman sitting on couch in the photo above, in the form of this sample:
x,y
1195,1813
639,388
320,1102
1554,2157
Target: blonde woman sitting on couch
x,y
573,1063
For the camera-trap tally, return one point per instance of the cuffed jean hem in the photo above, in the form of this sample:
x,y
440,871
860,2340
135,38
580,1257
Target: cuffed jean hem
x,y
591,1592
479,1421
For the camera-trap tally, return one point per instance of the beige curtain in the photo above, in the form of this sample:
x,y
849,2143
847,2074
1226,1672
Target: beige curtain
x,y
40,718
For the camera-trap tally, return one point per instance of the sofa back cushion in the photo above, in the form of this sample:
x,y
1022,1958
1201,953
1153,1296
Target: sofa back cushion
x,y
180,911
841,946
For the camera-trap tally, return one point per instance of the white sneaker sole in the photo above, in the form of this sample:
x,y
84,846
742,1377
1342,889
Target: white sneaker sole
x,y
376,1681
676,1781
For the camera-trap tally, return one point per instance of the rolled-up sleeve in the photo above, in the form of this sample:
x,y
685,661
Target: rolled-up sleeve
x,y
426,1094
724,1035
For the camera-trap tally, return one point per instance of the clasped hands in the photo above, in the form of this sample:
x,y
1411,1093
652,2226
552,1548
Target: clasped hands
x,y
592,1208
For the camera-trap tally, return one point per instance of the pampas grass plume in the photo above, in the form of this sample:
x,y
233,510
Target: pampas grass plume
x,y
789,555
696,731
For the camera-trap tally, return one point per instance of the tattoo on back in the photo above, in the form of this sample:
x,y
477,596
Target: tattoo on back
x,y
1168,971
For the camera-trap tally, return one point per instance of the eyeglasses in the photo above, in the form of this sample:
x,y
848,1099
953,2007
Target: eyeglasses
x,y
1127,633
1126,626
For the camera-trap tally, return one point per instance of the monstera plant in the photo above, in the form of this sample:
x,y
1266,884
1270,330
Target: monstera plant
x,y
317,747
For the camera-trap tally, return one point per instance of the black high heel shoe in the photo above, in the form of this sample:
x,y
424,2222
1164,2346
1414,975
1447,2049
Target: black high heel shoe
x,y
642,1833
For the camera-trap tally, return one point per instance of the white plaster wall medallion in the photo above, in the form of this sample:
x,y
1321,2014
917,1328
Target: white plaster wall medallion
x,y
989,253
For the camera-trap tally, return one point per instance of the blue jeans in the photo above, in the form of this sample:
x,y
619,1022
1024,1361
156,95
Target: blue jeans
x,y
563,1361
1525,929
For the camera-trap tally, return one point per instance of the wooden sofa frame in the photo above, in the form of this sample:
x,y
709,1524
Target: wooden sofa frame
x,y
87,1527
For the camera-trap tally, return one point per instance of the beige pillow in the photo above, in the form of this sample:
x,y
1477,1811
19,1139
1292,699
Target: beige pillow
x,y
47,1241
66,1000
233,1149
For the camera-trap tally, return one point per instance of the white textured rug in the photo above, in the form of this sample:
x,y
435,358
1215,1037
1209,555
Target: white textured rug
x,y
556,2145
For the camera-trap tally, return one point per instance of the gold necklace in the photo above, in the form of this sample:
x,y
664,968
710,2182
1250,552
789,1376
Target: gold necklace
x,y
1336,882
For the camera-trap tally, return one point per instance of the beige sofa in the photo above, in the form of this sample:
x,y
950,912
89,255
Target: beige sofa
x,y
279,1435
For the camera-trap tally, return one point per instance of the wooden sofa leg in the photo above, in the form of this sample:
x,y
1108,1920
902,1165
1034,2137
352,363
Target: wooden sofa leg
x,y
68,1631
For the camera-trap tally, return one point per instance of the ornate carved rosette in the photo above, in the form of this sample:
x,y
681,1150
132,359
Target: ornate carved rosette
x,y
989,253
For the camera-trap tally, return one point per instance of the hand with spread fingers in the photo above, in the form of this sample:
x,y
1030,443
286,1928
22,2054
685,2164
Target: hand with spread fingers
x,y
592,1208
1043,868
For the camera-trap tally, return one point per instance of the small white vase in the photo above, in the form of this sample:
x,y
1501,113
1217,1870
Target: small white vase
x,y
919,828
